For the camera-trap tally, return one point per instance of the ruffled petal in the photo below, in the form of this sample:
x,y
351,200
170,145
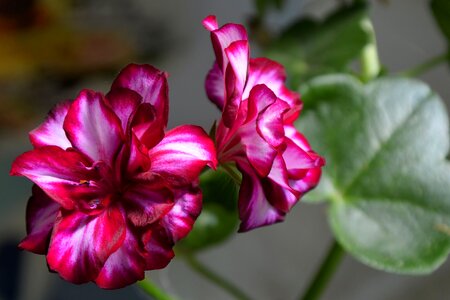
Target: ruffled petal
x,y
124,103
222,38
93,128
254,208
182,154
180,219
147,202
299,160
51,132
273,75
41,215
210,23
158,248
236,74
146,127
63,175
269,122
215,86
81,244
148,82
125,266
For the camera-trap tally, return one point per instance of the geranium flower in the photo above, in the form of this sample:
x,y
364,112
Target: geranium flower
x,y
113,191
256,130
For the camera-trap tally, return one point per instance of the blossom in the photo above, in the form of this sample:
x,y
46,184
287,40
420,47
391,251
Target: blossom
x,y
256,131
113,190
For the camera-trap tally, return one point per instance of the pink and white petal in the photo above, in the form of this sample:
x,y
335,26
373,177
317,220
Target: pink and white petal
x,y
41,216
298,160
295,136
280,197
210,23
309,180
148,82
63,175
180,219
146,127
124,103
138,161
147,202
238,56
51,132
93,128
254,208
125,266
259,153
81,244
158,248
215,86
182,154
272,74
222,38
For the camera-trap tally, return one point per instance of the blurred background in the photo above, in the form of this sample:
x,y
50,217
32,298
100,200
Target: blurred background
x,y
51,49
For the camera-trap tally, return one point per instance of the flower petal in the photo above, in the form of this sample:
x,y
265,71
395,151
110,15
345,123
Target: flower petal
x,y
93,128
63,175
236,74
158,248
146,127
215,86
272,74
222,38
124,103
210,23
254,208
81,244
180,219
182,154
125,266
148,82
51,132
147,202
41,215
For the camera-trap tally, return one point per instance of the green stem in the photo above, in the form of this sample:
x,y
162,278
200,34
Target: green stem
x,y
151,289
323,276
233,174
425,66
214,278
370,63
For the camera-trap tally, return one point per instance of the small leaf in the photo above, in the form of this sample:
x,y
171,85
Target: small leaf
x,y
386,177
264,5
219,218
310,47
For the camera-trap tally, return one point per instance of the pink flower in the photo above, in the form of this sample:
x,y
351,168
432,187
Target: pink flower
x,y
256,130
113,191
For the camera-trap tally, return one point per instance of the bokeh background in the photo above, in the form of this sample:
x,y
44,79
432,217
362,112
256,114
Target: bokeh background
x,y
51,49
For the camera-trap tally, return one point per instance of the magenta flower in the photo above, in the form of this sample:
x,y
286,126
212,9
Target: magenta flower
x,y
113,191
256,130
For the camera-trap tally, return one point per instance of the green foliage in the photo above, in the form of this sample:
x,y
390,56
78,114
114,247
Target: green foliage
x,y
441,13
263,5
386,178
310,47
218,220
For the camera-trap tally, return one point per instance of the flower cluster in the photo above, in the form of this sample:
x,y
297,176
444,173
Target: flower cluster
x,y
256,130
114,190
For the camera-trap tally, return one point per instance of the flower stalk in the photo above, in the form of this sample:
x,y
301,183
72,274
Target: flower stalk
x,y
151,289
221,282
426,65
325,273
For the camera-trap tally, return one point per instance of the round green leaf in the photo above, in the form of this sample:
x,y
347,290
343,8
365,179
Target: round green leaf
x,y
386,176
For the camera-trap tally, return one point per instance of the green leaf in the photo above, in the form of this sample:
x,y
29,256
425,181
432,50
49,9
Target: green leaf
x,y
219,218
386,178
310,47
441,12
264,5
